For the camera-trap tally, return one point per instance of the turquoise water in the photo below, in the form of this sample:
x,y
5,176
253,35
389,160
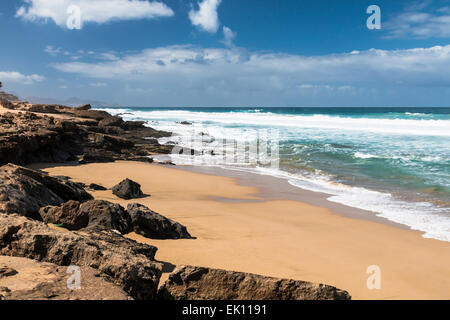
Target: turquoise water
x,y
392,161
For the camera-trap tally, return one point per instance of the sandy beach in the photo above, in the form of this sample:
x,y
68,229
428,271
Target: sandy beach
x,y
238,227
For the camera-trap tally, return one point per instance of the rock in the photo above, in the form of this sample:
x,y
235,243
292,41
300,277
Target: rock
x,y
83,107
35,280
128,189
110,142
106,215
186,123
153,225
126,263
113,121
97,157
44,108
196,283
6,271
68,215
25,191
91,114
94,186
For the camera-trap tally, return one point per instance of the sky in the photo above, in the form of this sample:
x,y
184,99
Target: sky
x,y
228,53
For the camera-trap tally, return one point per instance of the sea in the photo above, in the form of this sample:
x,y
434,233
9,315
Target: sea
x,y
394,162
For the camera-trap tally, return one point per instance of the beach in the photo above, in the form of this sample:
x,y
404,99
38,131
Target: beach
x,y
239,227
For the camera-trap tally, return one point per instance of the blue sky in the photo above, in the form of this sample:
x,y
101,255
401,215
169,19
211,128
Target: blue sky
x,y
209,53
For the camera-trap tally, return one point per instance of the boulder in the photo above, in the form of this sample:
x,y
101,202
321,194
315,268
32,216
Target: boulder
x,y
197,283
124,262
106,215
153,225
34,280
128,189
68,215
97,187
25,191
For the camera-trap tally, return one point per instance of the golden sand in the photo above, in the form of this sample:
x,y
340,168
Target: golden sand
x,y
281,238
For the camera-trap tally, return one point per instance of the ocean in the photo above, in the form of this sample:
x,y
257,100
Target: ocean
x,y
394,162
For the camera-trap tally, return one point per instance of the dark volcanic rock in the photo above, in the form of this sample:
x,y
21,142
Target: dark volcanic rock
x,y
106,215
124,262
83,107
24,191
128,189
94,186
111,142
47,281
68,215
195,283
91,114
111,122
153,225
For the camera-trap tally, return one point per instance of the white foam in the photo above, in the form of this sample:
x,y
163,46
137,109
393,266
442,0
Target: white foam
x,y
380,125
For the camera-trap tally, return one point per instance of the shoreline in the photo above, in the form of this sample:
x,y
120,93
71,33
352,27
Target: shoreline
x,y
239,229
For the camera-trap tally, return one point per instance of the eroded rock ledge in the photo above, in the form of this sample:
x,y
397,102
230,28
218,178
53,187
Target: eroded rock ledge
x,y
196,283
33,133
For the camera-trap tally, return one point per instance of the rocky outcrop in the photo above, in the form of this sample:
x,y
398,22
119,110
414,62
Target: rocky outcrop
x,y
123,262
68,215
153,225
104,215
54,133
128,189
33,280
196,283
25,191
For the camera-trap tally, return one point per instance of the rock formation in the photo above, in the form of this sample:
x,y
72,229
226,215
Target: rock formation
x,y
25,191
124,262
68,215
128,189
105,215
153,225
53,133
196,283
26,279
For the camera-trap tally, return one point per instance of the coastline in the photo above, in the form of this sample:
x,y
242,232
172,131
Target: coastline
x,y
239,228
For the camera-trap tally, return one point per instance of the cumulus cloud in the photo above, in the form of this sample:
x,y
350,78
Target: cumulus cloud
x,y
420,21
237,75
17,77
228,36
97,11
206,17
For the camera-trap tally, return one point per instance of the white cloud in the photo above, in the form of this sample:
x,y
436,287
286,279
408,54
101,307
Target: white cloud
x,y
228,36
98,85
420,22
52,50
235,75
97,11
206,17
17,77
